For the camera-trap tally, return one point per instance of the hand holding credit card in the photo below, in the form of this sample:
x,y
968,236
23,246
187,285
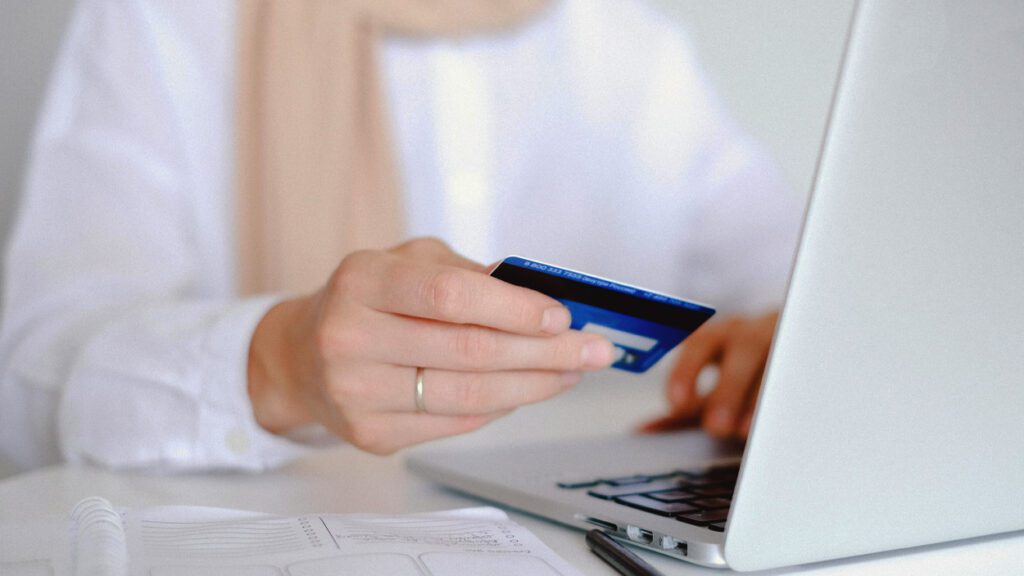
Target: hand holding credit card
x,y
642,324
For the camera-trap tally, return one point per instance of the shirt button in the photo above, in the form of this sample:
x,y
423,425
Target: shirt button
x,y
236,440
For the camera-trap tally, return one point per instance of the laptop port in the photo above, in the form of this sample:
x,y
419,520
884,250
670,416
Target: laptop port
x,y
601,524
639,535
670,544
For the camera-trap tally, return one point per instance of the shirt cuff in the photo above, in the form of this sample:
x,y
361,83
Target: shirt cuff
x,y
229,436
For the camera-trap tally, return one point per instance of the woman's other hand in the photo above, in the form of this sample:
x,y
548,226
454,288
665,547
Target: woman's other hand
x,y
738,346
346,356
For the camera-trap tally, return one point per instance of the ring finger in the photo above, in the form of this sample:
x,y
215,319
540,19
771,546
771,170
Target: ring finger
x,y
452,393
449,393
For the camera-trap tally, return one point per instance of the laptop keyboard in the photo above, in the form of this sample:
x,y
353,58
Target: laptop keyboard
x,y
701,498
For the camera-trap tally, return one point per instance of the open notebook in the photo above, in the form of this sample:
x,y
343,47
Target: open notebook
x,y
99,540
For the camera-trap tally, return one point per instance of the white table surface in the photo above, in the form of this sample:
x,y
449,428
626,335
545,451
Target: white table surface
x,y
342,480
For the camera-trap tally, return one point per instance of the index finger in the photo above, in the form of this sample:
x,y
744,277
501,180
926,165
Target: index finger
x,y
434,249
460,296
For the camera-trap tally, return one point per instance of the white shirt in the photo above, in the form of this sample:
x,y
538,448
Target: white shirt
x,y
587,138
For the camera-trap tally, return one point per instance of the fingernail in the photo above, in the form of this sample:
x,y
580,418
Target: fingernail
x,y
555,320
676,393
597,354
570,379
721,419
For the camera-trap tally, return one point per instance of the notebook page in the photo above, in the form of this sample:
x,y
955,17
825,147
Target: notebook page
x,y
188,541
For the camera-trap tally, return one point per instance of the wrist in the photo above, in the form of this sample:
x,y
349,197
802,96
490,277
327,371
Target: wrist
x,y
275,368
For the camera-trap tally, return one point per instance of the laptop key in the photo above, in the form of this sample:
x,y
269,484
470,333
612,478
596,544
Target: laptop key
x,y
628,480
717,491
574,485
670,495
703,517
608,492
709,481
672,474
724,471
711,503
655,506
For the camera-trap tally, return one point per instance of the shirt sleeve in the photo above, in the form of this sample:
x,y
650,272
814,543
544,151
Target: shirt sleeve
x,y
116,348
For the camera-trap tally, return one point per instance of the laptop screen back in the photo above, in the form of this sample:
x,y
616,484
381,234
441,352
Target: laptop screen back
x,y
891,414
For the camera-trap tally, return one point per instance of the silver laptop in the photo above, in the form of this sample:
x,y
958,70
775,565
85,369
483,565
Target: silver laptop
x,y
892,411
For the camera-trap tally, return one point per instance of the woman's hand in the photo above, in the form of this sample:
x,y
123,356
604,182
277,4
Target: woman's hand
x,y
738,346
347,356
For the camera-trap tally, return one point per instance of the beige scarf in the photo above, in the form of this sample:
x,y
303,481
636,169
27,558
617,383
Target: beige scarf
x,y
315,176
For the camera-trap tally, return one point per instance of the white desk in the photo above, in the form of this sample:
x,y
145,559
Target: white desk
x,y
344,480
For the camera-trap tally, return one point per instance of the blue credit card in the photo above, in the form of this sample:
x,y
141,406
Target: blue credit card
x,y
643,325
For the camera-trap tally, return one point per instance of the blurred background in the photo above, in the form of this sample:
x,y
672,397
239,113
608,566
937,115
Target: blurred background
x,y
30,35
773,63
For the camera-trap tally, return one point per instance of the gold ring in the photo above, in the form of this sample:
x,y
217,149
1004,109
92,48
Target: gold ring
x,y
420,406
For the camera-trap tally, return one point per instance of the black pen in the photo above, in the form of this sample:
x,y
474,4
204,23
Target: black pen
x,y
618,556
